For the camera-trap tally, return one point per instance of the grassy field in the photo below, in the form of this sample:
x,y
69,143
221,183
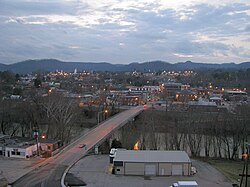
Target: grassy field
x,y
231,169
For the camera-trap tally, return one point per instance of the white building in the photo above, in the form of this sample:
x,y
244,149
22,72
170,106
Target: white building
x,y
152,163
19,151
17,147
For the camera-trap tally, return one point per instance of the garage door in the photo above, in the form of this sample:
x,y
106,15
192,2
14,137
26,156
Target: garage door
x,y
134,168
150,169
176,169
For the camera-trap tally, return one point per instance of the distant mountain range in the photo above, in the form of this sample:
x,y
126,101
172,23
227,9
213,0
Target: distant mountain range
x,y
43,65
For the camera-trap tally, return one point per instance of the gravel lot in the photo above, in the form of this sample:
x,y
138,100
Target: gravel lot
x,y
13,168
94,171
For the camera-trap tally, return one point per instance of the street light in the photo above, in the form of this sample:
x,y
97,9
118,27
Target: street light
x,y
105,113
98,115
43,136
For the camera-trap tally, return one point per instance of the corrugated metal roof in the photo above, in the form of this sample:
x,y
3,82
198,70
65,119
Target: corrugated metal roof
x,y
152,156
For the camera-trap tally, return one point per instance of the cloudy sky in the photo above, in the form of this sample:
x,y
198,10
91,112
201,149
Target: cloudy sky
x,y
125,31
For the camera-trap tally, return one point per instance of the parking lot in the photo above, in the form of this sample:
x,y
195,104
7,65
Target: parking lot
x,y
13,168
95,171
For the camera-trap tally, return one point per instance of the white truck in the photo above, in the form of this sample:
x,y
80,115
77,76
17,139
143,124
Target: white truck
x,y
185,184
112,153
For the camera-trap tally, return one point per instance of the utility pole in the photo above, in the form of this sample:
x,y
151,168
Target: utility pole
x,y
105,112
36,134
98,118
245,167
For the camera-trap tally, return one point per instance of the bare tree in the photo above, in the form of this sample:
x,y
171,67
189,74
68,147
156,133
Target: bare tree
x,y
60,114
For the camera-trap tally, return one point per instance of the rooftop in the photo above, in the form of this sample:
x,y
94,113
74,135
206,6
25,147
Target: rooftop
x,y
152,156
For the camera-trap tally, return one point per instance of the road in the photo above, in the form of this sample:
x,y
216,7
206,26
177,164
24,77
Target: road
x,y
50,173
208,176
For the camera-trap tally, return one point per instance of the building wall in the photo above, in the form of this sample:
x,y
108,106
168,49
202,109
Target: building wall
x,y
32,150
187,169
162,169
165,169
20,152
119,170
177,169
14,152
134,168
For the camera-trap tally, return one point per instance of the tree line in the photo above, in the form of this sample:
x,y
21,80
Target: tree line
x,y
54,115
220,135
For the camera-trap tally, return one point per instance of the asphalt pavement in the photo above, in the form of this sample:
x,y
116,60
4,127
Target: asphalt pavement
x,y
94,171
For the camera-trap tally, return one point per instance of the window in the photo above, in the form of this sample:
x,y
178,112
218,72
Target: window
x,y
117,169
15,152
118,163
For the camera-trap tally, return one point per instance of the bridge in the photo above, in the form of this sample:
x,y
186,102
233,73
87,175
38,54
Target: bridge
x,y
53,171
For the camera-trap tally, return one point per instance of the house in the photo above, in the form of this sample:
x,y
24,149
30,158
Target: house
x,y
18,147
152,163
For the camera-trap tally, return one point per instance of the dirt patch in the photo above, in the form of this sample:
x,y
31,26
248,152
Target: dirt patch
x,y
72,180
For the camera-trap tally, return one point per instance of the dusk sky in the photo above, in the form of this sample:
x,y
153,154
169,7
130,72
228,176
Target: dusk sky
x,y
125,31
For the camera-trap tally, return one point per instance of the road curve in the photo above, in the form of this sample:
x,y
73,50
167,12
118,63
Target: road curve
x,y
51,172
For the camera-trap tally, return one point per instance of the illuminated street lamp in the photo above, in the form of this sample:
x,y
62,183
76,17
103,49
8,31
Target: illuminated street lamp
x,y
43,136
98,115
105,113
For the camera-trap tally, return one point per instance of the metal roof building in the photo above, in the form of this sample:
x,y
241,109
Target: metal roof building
x,y
152,163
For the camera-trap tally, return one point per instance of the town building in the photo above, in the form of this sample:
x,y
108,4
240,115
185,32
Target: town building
x,y
185,96
152,163
17,147
205,106
150,89
24,147
217,100
235,95
171,88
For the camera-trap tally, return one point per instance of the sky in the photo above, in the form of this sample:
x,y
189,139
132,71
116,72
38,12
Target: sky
x,y
125,31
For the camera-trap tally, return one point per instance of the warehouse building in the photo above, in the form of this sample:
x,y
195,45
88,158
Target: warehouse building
x,y
152,163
